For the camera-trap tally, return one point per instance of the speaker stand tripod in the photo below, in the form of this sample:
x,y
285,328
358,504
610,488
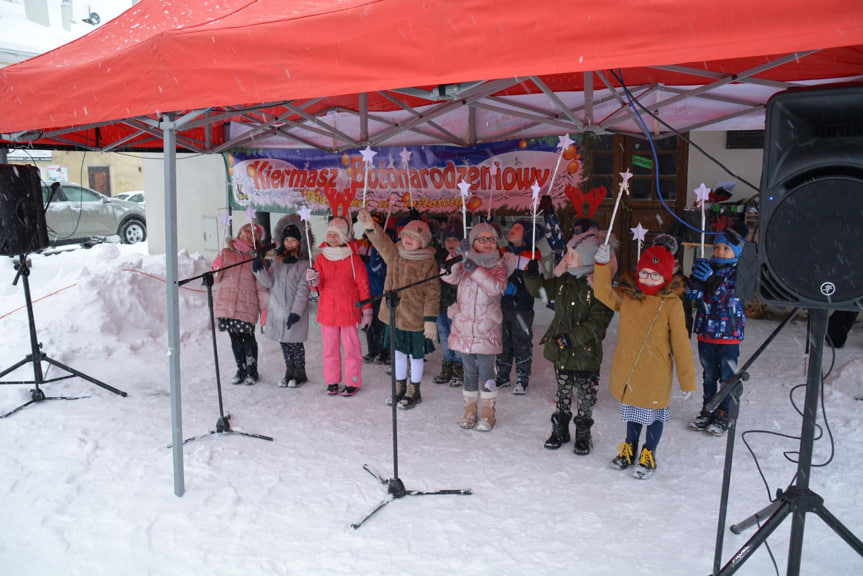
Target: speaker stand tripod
x,y
223,425
36,356
395,487
797,499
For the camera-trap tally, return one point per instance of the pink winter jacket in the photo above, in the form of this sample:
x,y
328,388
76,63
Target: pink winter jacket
x,y
239,295
476,315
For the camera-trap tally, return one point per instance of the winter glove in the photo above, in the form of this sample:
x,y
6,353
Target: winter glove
x,y
687,395
293,318
462,248
257,264
430,330
603,255
532,269
366,320
701,270
312,277
546,206
468,265
366,219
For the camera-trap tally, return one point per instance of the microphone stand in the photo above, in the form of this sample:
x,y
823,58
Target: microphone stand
x,y
36,355
222,424
796,499
395,487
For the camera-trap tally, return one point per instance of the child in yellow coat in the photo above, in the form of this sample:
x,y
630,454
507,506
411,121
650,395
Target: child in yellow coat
x,y
652,341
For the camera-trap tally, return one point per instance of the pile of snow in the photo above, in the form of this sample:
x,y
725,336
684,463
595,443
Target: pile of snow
x,y
87,486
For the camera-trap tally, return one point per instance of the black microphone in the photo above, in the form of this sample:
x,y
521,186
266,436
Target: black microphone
x,y
262,250
448,264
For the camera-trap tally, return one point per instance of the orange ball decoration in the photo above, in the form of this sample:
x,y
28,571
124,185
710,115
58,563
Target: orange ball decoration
x,y
474,202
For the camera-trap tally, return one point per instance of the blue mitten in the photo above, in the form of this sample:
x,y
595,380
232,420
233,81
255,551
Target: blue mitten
x,y
468,265
257,265
293,318
701,270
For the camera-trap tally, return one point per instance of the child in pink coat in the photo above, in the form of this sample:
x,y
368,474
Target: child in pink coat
x,y
340,277
239,299
477,320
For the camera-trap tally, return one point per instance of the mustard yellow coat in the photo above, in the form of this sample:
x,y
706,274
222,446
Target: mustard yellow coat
x,y
651,340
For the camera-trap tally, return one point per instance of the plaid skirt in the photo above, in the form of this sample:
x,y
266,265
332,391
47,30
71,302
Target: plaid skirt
x,y
645,416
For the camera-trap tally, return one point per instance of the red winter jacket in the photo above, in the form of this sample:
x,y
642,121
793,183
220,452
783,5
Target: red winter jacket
x,y
341,285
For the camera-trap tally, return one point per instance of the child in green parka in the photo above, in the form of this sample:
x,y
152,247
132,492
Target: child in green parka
x,y
573,342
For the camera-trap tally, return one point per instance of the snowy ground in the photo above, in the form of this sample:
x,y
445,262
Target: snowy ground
x,y
86,486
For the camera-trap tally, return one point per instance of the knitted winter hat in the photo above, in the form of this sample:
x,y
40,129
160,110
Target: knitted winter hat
x,y
453,230
586,244
419,229
247,229
658,259
732,241
667,240
291,231
486,228
340,226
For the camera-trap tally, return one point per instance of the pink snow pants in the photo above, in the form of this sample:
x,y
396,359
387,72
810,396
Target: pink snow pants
x,y
334,338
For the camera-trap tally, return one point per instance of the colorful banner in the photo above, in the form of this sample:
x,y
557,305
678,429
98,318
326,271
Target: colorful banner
x,y
500,175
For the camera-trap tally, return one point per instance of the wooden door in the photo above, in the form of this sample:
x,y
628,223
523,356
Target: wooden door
x,y
99,179
609,155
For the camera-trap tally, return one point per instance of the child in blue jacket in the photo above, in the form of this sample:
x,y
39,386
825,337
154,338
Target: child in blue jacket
x,y
719,324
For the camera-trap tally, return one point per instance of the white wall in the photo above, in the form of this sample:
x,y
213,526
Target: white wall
x,y
201,186
745,163
201,194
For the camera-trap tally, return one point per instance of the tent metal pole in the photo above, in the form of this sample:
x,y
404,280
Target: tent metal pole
x,y
173,300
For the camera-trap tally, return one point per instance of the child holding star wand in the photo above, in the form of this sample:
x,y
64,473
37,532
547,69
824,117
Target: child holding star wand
x,y
287,309
239,300
408,262
652,341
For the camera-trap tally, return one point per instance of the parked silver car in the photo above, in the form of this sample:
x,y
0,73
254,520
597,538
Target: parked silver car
x,y
136,196
79,214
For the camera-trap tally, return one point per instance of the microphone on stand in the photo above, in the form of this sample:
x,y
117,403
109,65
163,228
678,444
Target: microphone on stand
x,y
448,264
262,250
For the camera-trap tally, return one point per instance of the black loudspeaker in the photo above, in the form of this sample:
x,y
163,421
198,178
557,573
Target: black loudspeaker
x,y
22,216
810,220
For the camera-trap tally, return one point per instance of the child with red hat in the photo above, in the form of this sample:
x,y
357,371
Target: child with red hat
x,y
652,341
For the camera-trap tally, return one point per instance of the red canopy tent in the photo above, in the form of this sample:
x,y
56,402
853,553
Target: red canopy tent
x,y
206,76
338,74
